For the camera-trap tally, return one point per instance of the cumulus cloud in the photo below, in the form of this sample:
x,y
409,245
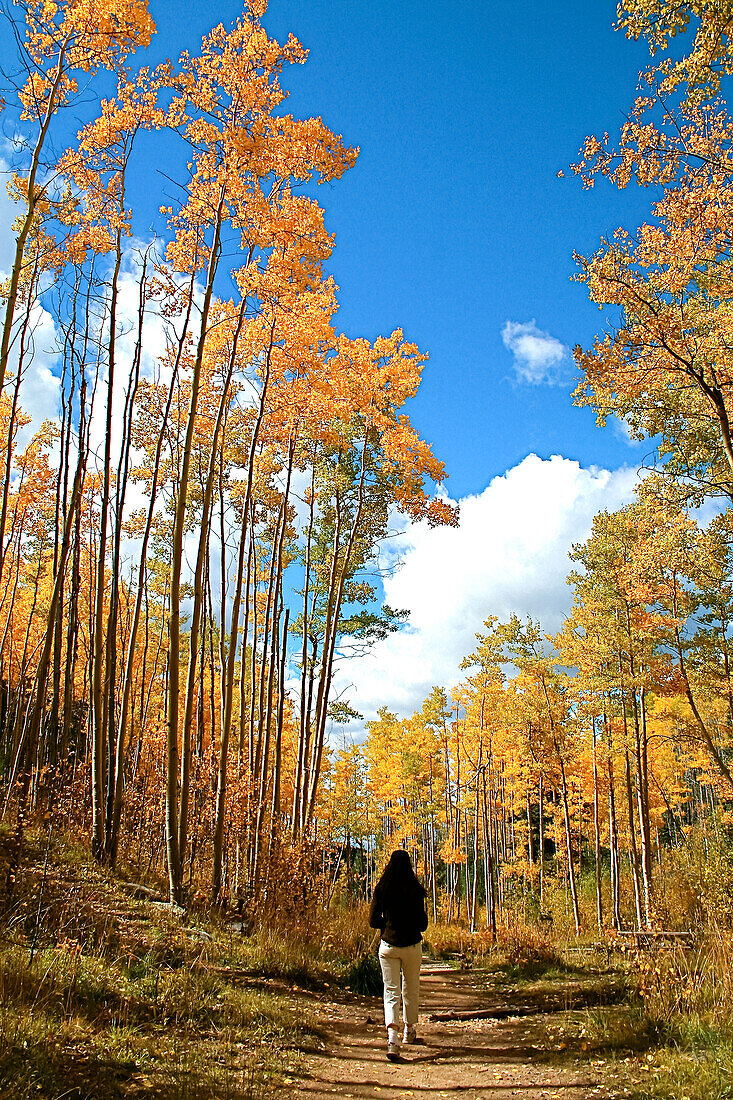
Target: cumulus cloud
x,y
8,213
622,430
538,356
509,554
40,387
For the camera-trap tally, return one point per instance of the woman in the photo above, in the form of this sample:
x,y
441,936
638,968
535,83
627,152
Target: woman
x,y
398,911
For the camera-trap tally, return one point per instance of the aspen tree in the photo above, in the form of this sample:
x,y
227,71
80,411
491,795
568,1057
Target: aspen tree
x,y
665,367
545,694
63,40
226,99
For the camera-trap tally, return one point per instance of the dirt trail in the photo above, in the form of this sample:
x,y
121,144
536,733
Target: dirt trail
x,y
473,1054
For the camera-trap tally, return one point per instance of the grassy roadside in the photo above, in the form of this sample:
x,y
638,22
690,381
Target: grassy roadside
x,y
687,1058
163,1009
658,1021
105,993
689,1061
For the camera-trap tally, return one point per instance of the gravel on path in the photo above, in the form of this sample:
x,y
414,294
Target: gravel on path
x,y
476,1056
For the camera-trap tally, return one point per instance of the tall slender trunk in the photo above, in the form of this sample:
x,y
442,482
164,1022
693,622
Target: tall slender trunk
x,y
115,750
613,840
474,885
227,679
198,598
34,197
175,867
99,695
489,860
642,799
304,709
569,843
32,724
12,422
331,632
541,799
277,763
597,835
633,851
121,737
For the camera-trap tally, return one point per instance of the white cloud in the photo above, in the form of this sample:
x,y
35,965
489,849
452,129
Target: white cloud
x,y
40,389
39,385
509,554
538,356
8,213
622,430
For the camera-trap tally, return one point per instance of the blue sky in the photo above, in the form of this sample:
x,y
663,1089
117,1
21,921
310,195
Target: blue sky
x,y
454,226
453,220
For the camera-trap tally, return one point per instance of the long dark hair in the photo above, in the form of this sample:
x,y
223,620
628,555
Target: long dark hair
x,y
399,881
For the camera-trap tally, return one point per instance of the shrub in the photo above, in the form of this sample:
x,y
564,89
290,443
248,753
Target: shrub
x,y
364,976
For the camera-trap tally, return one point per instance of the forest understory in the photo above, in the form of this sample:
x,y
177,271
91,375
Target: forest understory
x,y
108,991
193,816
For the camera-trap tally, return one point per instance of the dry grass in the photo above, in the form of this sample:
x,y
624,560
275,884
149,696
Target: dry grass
x,y
107,996
673,1040
78,1024
522,952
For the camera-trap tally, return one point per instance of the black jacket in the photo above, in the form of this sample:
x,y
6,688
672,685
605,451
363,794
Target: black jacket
x,y
399,922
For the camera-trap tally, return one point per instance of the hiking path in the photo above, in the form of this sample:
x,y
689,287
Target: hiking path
x,y
474,1041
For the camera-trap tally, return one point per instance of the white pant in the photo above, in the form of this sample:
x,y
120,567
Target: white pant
x,y
400,963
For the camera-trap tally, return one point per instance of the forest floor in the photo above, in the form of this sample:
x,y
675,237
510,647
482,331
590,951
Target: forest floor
x,y
480,1036
106,993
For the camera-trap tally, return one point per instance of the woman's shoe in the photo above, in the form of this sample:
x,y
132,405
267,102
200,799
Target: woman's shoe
x,y
393,1044
410,1035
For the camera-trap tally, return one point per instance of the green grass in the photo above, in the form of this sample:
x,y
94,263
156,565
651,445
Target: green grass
x,y
693,1062
363,975
687,1056
79,1024
104,996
